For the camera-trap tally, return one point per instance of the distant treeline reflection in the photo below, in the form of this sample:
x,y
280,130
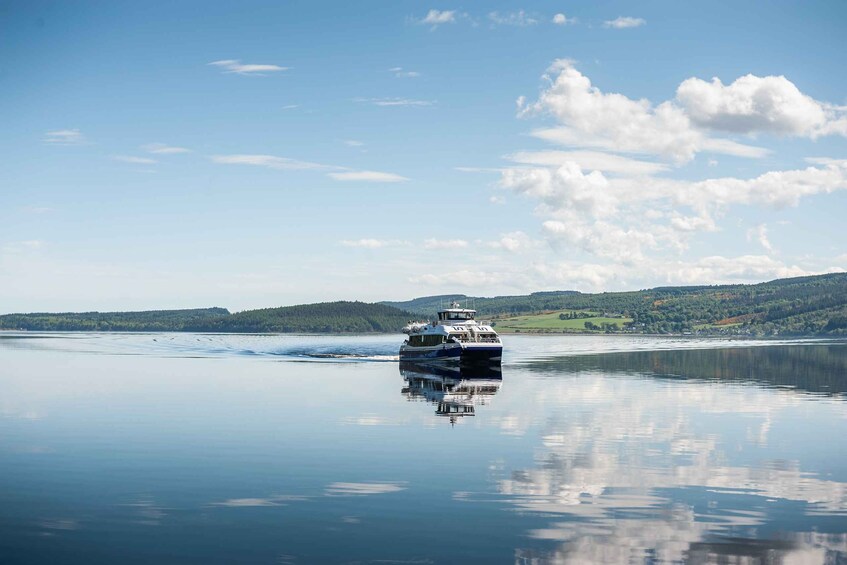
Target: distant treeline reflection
x,y
816,368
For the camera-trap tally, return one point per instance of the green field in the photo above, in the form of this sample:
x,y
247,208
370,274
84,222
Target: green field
x,y
550,322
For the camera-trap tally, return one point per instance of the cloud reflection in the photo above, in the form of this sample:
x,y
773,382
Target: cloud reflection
x,y
362,489
666,470
273,500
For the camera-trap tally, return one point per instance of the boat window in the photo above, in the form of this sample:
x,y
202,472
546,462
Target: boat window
x,y
461,315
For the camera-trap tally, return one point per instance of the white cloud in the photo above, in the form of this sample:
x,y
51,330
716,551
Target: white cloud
x,y
134,160
433,243
354,143
718,269
603,239
269,161
396,101
589,160
367,176
475,279
760,234
369,243
622,218
235,66
38,209
776,189
286,164
565,188
17,247
438,17
64,137
513,242
596,277
561,19
163,149
624,22
498,200
751,104
589,117
290,106
400,73
518,19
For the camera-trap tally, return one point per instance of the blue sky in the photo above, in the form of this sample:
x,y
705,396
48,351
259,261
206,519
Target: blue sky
x,y
165,155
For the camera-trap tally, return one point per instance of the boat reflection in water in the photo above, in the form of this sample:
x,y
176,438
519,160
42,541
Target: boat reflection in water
x,y
454,390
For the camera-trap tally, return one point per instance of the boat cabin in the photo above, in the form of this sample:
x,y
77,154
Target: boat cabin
x,y
456,314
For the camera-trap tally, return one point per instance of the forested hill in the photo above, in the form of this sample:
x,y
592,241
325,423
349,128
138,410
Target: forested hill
x,y
800,306
328,317
815,305
148,321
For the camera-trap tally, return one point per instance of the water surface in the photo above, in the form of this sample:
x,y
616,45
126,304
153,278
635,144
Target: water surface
x,y
193,448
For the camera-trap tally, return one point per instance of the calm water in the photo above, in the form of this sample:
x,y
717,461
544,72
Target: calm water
x,y
176,448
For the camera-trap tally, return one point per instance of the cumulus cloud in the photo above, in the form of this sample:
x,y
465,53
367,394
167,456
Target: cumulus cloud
x,y
752,104
566,188
561,19
731,269
588,117
436,18
64,137
164,149
518,19
512,242
604,239
235,66
367,176
624,22
608,217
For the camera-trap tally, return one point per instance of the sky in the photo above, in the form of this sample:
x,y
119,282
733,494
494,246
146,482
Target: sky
x,y
193,154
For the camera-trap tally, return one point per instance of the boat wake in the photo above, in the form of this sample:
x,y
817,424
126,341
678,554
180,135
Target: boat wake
x,y
326,349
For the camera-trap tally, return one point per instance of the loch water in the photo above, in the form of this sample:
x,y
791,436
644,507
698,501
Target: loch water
x,y
197,448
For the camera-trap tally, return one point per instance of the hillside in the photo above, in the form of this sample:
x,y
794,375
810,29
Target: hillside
x,y
799,306
147,321
325,317
815,305
329,317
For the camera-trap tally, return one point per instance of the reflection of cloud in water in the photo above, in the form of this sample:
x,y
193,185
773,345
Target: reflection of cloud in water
x,y
15,414
63,524
149,512
676,538
371,420
618,454
273,500
361,489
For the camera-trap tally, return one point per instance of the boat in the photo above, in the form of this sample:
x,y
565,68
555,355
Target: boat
x,y
455,337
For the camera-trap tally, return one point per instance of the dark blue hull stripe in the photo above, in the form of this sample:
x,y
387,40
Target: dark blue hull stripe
x,y
474,353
